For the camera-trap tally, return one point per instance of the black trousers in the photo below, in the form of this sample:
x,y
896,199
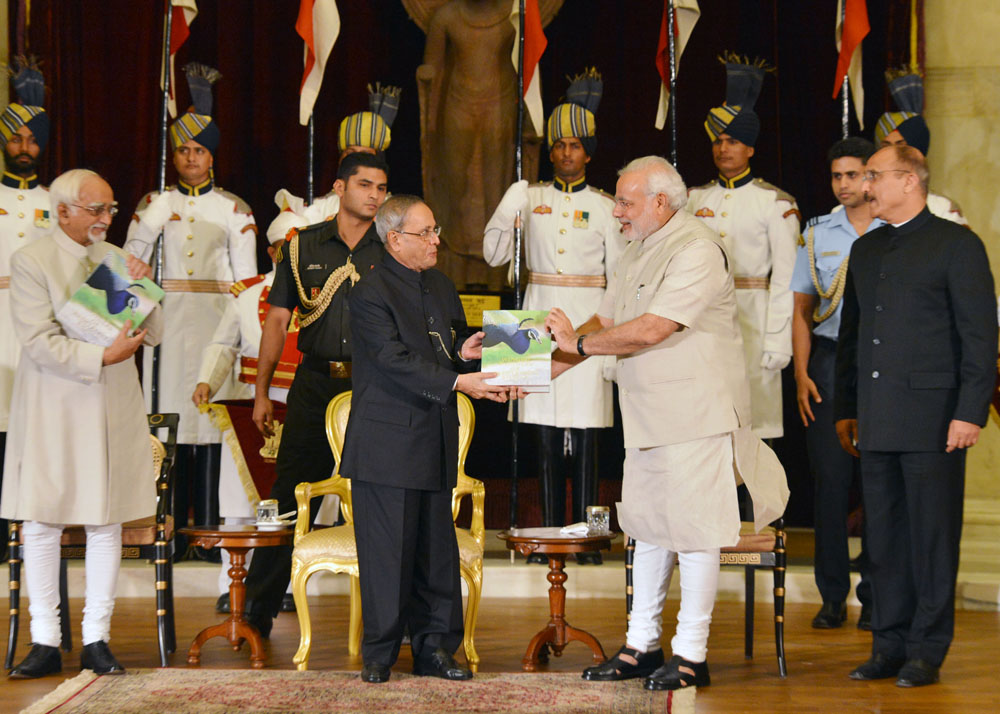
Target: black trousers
x,y
304,455
834,471
409,571
559,459
913,504
196,483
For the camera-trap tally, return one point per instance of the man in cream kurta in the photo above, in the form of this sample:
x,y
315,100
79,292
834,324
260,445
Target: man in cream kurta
x,y
79,442
670,316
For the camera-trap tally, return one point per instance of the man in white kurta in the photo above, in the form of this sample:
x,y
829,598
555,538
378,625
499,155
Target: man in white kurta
x,y
79,442
571,246
209,242
670,317
759,226
24,217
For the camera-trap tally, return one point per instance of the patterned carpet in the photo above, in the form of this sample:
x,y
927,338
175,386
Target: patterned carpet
x,y
214,691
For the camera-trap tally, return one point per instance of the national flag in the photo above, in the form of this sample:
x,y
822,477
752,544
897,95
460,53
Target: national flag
x,y
534,46
318,25
852,26
183,13
686,14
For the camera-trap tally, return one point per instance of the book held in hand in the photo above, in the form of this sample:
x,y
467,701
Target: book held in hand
x,y
518,348
97,311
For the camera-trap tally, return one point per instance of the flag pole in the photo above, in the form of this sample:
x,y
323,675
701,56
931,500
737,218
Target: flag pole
x,y
309,162
154,381
518,164
845,88
672,109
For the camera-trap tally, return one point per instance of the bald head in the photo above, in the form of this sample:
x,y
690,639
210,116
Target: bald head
x,y
895,183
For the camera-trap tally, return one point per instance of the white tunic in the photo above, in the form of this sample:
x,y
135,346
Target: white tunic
x,y
78,446
210,242
296,214
566,234
759,225
24,217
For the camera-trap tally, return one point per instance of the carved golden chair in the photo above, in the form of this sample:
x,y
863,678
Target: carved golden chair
x,y
334,549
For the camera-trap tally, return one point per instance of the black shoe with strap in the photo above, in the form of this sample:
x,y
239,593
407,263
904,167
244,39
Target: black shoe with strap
x,y
672,676
41,660
97,657
615,668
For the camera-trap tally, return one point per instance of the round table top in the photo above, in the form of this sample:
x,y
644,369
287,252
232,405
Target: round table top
x,y
550,540
230,535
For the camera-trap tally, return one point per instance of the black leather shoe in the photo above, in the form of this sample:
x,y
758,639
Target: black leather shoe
x,y
375,673
670,675
614,669
590,557
538,559
830,616
865,618
440,664
97,656
222,604
879,666
917,673
41,660
288,603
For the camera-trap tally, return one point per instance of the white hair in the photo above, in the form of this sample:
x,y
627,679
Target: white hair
x,y
661,177
66,188
392,214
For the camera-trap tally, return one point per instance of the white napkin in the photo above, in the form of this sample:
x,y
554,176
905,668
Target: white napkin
x,y
575,529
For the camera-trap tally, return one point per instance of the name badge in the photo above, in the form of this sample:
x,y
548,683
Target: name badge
x,y
830,253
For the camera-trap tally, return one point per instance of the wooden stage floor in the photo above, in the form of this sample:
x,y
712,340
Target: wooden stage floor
x,y
818,661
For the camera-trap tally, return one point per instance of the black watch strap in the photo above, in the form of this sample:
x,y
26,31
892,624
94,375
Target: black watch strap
x,y
579,345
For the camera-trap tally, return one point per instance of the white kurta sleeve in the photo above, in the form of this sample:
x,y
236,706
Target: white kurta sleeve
x,y
783,238
38,331
498,238
150,216
220,354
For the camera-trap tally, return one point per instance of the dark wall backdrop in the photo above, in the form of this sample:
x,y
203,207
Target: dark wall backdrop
x,y
102,65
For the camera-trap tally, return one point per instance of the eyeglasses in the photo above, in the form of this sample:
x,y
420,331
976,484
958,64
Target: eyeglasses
x,y
872,176
623,204
425,234
99,208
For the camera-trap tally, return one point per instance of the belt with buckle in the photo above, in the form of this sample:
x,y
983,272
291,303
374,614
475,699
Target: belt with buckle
x,y
336,370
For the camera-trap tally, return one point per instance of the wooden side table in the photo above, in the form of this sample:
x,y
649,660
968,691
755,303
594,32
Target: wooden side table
x,y
238,540
558,633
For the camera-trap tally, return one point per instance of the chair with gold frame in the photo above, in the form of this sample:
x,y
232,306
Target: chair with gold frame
x,y
334,549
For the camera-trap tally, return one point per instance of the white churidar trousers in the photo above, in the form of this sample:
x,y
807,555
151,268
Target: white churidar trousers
x,y
41,570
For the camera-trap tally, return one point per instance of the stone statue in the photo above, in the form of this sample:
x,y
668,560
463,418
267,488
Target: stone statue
x,y
468,124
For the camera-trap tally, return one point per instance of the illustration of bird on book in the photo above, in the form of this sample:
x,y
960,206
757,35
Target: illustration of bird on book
x,y
514,335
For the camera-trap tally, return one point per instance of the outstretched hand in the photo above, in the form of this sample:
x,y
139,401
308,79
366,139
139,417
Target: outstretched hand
x,y
474,384
472,348
561,329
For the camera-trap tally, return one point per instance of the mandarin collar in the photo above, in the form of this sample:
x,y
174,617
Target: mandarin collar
x,y
407,274
199,190
15,181
741,179
69,245
572,187
914,224
674,223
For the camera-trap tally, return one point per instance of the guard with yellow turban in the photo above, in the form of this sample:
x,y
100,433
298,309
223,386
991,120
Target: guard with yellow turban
x,y
368,132
759,225
24,212
209,242
907,126
572,244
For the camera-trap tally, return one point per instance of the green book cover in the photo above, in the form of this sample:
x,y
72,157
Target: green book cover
x,y
518,348
98,309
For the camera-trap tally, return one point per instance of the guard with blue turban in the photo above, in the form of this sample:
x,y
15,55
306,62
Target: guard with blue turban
x,y
24,210
572,244
759,226
209,242
907,126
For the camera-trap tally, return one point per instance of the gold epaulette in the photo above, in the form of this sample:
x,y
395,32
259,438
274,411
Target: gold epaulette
x,y
601,192
702,187
782,195
240,285
540,184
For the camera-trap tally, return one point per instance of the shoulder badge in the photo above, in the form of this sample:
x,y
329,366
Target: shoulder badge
x,y
705,212
239,205
241,285
601,192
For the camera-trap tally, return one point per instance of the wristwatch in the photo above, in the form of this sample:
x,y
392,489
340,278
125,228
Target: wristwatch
x,y
579,345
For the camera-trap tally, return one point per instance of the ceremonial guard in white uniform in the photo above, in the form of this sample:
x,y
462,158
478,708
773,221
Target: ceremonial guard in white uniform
x,y
572,244
908,127
209,241
759,225
24,216
368,132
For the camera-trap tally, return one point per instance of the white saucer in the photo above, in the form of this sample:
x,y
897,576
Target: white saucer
x,y
273,525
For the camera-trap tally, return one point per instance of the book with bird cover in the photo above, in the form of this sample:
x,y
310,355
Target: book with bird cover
x,y
518,348
109,296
